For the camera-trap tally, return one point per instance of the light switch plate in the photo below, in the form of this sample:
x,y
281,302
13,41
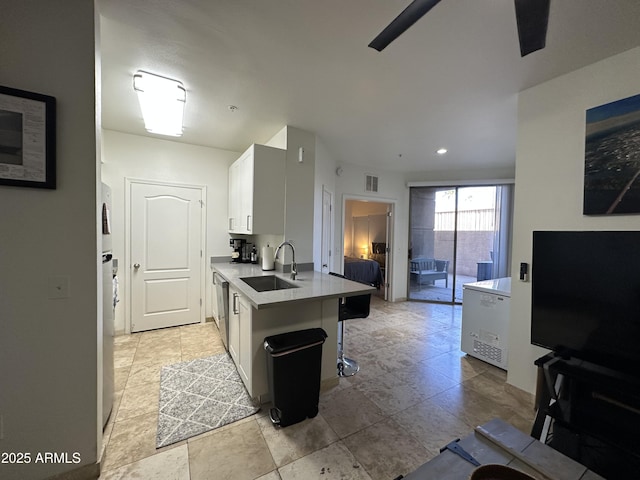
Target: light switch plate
x,y
58,287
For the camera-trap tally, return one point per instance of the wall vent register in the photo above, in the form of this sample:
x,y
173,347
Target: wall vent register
x,y
371,183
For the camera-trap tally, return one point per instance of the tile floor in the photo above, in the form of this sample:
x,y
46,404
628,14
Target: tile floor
x,y
415,393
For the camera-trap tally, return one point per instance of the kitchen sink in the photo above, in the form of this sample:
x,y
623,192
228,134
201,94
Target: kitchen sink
x,y
267,283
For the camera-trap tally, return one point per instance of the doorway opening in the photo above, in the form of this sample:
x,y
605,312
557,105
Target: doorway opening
x,y
458,235
367,243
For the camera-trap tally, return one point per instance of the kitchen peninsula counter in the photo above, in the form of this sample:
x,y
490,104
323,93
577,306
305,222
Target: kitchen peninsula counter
x,y
310,285
254,315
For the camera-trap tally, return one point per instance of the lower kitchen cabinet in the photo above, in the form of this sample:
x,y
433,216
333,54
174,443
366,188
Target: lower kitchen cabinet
x,y
245,352
240,334
234,324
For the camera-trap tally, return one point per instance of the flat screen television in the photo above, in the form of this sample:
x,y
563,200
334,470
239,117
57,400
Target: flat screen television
x,y
586,296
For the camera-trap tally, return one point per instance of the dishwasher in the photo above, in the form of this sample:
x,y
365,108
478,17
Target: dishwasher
x,y
222,299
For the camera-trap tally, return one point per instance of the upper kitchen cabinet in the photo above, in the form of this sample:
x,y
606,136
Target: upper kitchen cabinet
x,y
256,191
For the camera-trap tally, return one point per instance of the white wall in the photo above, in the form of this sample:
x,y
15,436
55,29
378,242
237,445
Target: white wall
x,y
49,347
144,158
325,175
549,178
299,193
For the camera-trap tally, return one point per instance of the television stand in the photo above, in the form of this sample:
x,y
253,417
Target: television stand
x,y
590,413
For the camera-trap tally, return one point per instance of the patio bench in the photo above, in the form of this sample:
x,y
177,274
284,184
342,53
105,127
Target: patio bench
x,y
430,270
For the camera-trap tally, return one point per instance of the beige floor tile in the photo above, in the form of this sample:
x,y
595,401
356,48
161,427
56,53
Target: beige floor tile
x,y
127,339
120,376
138,400
386,451
131,440
123,358
160,335
329,463
470,406
236,453
143,373
208,334
168,465
390,393
164,353
191,352
493,387
432,425
348,411
426,380
270,476
295,441
458,365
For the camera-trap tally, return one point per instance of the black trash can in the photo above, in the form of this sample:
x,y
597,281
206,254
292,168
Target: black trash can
x,y
294,361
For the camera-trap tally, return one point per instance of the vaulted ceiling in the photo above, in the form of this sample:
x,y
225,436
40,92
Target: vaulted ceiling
x,y
451,80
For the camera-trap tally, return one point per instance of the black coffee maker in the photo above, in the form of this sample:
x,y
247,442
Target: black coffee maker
x,y
239,246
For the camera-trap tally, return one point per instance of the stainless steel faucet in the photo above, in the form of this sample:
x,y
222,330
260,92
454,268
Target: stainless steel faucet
x,y
294,271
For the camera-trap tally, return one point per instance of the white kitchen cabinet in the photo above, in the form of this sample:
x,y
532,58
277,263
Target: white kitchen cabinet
x,y
234,324
246,353
256,191
240,334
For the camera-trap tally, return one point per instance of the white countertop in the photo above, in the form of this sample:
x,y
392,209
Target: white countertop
x,y
311,285
499,286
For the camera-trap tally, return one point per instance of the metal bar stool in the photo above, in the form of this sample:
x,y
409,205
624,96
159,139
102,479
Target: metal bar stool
x,y
357,306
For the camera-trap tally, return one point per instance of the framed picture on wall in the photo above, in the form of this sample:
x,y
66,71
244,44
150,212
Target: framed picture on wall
x,y
27,139
612,158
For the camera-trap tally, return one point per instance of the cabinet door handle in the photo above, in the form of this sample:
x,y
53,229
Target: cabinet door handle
x,y
235,306
230,223
249,223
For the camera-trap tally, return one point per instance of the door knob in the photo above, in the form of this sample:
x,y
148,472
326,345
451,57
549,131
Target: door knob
x,y
136,266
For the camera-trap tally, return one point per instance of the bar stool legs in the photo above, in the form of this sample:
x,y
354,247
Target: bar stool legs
x,y
347,367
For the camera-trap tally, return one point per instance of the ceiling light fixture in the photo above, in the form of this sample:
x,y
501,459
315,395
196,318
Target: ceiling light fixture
x,y
441,151
162,103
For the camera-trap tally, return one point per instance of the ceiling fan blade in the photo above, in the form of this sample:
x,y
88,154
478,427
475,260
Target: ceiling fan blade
x,y
402,22
532,17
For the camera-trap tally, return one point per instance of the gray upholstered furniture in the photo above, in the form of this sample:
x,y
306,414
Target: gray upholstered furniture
x,y
429,270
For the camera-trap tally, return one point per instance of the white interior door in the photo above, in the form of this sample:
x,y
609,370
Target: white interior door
x,y
166,255
327,231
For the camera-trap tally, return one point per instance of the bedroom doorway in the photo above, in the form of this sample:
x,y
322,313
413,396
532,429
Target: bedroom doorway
x,y
367,243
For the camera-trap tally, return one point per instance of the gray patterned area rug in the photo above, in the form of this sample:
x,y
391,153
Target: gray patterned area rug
x,y
198,396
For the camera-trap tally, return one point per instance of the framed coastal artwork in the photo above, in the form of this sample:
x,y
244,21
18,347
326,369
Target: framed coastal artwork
x,y
27,139
612,158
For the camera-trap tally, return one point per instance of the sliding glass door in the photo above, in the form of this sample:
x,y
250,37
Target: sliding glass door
x,y
457,235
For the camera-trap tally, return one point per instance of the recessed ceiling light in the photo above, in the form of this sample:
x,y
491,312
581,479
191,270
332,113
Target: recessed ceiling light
x,y
441,151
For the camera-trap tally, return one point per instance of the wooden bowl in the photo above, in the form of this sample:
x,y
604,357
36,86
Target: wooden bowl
x,y
498,472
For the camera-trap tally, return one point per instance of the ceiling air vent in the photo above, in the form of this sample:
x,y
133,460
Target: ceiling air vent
x,y
371,183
